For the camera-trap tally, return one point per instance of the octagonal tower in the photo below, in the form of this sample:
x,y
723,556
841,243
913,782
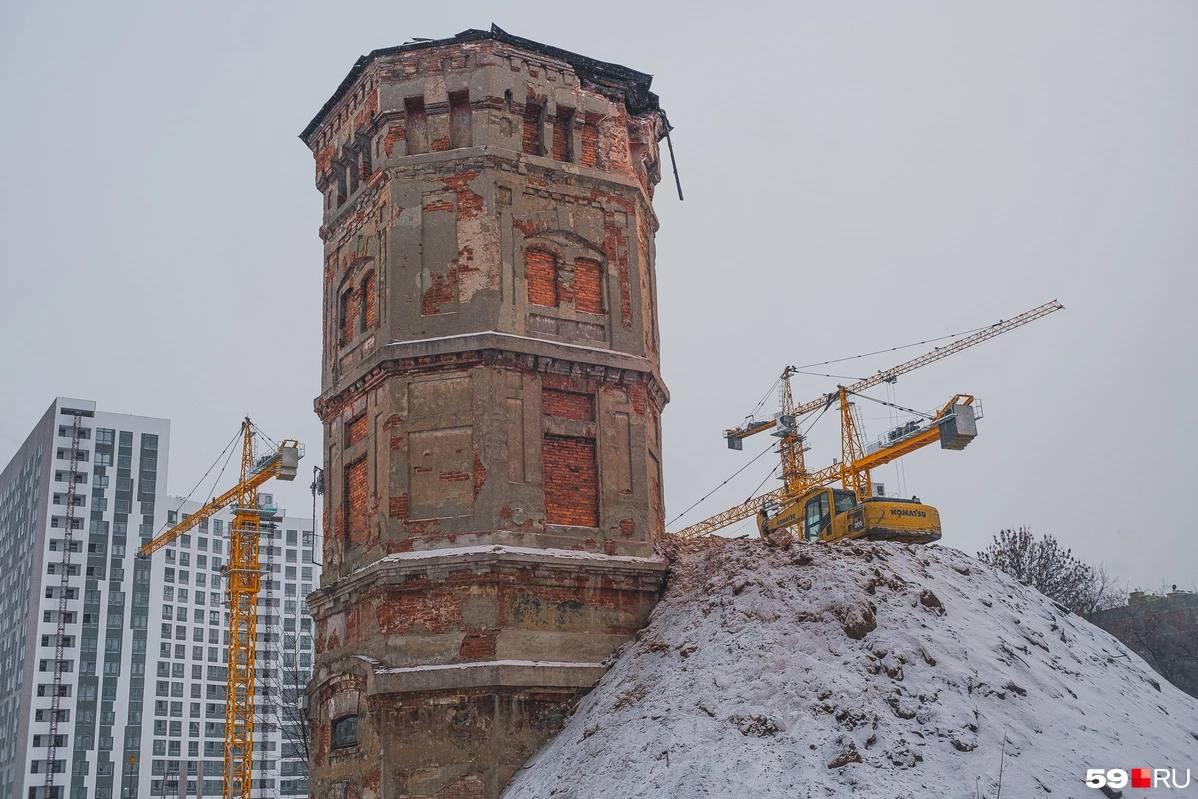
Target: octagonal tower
x,y
491,399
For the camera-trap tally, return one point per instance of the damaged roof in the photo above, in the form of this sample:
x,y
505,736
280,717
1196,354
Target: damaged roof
x,y
634,85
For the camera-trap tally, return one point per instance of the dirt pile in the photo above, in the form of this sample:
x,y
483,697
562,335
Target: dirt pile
x,y
864,670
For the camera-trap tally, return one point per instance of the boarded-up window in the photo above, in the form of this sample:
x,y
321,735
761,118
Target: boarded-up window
x,y
568,405
460,131
415,125
563,134
588,285
540,268
533,134
357,493
370,315
571,481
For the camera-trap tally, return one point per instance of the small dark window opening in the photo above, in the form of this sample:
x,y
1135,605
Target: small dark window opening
x,y
460,132
365,165
342,192
415,125
345,732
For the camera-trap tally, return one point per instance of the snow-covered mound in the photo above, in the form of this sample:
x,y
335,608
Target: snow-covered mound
x,y
864,670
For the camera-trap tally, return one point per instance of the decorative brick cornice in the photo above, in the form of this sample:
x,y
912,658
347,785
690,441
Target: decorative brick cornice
x,y
495,349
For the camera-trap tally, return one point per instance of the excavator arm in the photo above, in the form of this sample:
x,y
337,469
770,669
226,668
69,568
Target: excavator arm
x,y
957,438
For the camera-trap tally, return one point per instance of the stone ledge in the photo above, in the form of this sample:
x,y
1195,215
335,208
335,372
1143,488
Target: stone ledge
x,y
402,565
486,674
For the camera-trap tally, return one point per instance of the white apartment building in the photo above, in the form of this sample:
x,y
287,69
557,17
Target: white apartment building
x,y
142,676
192,615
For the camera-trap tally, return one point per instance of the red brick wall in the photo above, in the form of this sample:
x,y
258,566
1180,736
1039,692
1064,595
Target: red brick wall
x,y
560,149
533,134
571,481
540,269
590,143
357,493
369,292
568,405
357,430
588,285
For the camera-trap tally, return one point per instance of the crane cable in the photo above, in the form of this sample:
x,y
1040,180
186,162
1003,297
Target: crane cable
x,y
891,349
746,466
187,498
721,485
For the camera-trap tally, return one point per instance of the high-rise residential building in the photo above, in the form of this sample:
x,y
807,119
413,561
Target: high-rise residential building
x,y
112,668
75,501
192,603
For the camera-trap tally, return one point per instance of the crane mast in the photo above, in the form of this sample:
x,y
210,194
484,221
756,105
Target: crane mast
x,y
853,469
243,581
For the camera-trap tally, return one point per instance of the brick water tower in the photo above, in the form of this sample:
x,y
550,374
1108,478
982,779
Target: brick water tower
x,y
491,399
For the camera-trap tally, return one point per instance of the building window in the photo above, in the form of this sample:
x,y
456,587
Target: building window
x,y
540,269
369,301
460,133
563,134
345,732
415,125
533,134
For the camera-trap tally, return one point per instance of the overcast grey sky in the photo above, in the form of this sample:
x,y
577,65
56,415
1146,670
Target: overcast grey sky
x,y
857,175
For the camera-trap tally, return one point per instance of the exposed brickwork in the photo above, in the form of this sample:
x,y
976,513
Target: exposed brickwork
x,y
356,430
531,434
357,496
590,142
571,481
442,290
478,646
588,285
562,123
370,300
540,268
568,405
533,133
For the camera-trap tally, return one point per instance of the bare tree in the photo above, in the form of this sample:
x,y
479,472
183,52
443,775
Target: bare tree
x,y
1052,570
283,691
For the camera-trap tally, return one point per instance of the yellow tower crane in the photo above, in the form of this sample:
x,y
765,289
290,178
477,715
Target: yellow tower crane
x,y
852,512
242,583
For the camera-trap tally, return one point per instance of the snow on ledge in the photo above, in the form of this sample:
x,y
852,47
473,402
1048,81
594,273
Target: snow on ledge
x,y
484,663
503,549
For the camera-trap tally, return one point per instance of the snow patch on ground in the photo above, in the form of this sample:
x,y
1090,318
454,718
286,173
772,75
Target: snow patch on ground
x,y
866,670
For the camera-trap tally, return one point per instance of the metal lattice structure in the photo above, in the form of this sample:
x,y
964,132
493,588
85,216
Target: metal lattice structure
x,y
243,581
61,630
855,465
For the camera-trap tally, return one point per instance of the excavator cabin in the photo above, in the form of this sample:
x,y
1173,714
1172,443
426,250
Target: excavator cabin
x,y
835,514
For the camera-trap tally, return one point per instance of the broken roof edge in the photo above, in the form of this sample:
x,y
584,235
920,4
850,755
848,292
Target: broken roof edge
x,y
638,101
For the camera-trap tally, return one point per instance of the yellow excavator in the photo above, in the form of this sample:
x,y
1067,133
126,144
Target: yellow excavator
x,y
808,503
860,510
